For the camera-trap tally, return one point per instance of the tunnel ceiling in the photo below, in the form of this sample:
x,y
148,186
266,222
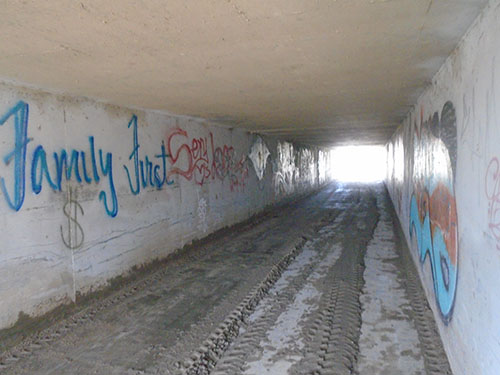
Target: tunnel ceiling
x,y
320,72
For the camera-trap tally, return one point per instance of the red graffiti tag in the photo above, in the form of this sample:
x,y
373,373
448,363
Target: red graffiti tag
x,y
492,186
195,154
198,160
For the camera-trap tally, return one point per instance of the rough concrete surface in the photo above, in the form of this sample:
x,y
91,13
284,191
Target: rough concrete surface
x,y
321,72
310,253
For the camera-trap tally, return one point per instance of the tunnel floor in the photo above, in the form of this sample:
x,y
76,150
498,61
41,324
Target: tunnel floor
x,y
323,285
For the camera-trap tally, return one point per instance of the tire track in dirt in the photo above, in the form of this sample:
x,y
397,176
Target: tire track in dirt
x,y
61,336
284,306
389,340
329,326
335,331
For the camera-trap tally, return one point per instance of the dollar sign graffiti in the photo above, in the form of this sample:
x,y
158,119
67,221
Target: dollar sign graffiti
x,y
75,235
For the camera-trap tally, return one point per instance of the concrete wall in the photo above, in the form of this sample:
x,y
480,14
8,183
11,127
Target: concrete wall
x,y
90,190
444,179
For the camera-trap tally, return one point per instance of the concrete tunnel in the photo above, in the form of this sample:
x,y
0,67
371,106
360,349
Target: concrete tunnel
x,y
170,202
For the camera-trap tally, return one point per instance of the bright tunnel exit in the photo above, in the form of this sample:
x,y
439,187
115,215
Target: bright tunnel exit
x,y
358,163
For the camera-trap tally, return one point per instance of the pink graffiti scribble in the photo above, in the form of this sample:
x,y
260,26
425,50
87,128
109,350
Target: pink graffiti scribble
x,y
492,186
199,160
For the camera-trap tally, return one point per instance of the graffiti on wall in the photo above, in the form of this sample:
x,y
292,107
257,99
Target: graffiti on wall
x,y
306,166
145,172
258,155
81,166
30,166
492,186
199,160
433,212
73,235
284,176
323,164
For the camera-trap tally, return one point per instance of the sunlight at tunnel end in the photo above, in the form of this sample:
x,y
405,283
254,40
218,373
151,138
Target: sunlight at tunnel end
x,y
363,164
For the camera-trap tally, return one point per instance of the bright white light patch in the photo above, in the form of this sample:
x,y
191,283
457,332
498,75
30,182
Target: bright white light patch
x,y
358,163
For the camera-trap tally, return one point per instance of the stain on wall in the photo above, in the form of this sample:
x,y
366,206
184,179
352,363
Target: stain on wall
x,y
202,215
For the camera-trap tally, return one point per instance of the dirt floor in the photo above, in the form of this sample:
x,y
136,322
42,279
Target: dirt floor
x,y
321,286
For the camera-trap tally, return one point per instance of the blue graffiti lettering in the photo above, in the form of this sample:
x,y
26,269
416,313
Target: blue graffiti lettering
x,y
68,165
19,113
92,154
433,246
144,172
39,169
62,166
107,170
71,171
86,177
134,155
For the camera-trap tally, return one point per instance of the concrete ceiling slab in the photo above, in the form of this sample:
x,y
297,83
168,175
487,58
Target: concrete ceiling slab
x,y
320,72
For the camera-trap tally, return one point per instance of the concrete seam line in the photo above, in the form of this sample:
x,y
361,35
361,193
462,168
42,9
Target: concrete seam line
x,y
204,359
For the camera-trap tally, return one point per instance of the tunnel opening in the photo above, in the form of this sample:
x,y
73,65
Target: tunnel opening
x,y
361,164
